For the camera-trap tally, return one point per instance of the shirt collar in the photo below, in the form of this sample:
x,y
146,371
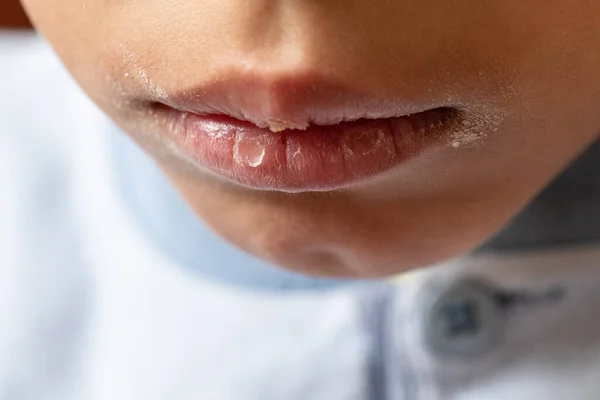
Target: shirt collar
x,y
565,214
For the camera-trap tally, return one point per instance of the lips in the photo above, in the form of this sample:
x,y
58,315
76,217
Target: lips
x,y
297,135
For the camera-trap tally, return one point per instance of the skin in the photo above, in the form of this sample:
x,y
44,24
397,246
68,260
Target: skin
x,y
524,74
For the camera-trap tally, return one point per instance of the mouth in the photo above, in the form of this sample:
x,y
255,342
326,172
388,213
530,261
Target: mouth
x,y
292,136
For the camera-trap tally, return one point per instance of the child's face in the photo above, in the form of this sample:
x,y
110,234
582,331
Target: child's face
x,y
521,78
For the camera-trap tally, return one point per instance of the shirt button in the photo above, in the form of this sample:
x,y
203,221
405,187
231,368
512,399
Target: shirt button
x,y
464,319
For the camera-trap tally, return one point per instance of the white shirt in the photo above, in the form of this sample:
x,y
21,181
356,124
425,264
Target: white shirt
x,y
91,308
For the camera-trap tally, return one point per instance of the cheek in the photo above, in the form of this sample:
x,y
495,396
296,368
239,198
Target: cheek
x,y
79,31
52,15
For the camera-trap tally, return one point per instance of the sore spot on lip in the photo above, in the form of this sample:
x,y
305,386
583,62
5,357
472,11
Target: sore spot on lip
x,y
249,150
279,126
257,159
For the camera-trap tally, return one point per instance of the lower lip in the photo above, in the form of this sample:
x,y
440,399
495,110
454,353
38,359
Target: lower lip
x,y
320,158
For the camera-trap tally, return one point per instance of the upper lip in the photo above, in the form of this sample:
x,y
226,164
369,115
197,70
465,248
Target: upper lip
x,y
286,101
